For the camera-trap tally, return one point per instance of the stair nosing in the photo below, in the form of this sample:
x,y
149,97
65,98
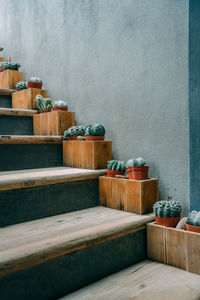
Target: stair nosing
x,y
17,112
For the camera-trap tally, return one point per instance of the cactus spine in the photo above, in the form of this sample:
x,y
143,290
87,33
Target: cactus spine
x,y
194,218
167,209
116,165
43,104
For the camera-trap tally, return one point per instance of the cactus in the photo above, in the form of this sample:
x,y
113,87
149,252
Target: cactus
x,y
43,104
167,209
60,103
194,218
116,165
1,49
135,162
35,80
94,130
74,130
21,85
9,65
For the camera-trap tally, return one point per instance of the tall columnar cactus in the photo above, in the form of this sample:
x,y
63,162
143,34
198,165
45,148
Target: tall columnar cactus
x,y
43,104
116,165
135,162
21,85
194,218
94,130
74,130
167,209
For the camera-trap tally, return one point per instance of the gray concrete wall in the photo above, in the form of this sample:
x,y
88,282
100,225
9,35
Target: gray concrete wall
x,y
122,63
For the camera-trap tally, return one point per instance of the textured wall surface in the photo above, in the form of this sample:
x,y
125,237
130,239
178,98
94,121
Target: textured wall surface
x,y
123,63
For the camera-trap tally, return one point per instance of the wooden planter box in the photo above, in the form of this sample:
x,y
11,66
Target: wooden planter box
x,y
87,154
175,247
1,59
53,123
127,194
9,78
25,99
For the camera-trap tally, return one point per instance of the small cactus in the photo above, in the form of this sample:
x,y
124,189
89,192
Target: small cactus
x,y
194,218
167,209
21,85
116,165
94,130
43,104
74,130
135,162
59,103
35,80
7,65
1,49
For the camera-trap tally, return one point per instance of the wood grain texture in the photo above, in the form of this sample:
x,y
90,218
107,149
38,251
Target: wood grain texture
x,y
145,280
53,123
9,78
17,112
7,92
87,154
39,177
1,59
25,99
193,252
105,192
131,195
156,248
44,241
29,139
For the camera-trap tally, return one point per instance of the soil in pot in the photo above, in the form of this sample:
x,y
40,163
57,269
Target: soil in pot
x,y
169,222
94,138
138,172
111,173
34,85
192,228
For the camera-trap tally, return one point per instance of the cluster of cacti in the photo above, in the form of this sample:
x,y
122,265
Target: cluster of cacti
x,y
21,85
194,218
116,165
43,104
74,131
59,103
135,162
94,130
167,209
9,65
35,80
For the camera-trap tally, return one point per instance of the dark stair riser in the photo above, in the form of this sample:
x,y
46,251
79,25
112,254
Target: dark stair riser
x,y
5,101
28,204
30,156
59,277
16,125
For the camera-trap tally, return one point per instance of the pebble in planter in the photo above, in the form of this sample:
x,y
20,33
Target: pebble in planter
x,y
35,82
167,213
73,132
21,85
193,221
137,169
59,105
115,167
43,104
94,132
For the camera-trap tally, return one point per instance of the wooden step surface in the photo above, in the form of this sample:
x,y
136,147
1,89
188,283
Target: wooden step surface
x,y
30,139
146,280
7,92
45,176
17,112
33,243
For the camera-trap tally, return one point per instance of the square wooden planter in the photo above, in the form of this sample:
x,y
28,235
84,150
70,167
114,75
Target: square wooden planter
x,y
25,99
9,78
87,154
1,59
175,247
53,123
127,194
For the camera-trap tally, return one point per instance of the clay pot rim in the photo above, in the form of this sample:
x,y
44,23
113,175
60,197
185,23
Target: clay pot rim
x,y
59,108
167,222
94,137
136,168
113,172
192,228
44,111
35,85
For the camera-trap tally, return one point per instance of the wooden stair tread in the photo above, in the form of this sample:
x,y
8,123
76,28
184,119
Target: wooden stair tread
x,y
32,243
145,280
45,176
7,92
30,139
17,112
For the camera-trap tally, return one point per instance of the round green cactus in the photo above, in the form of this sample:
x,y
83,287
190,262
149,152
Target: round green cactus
x,y
74,130
135,162
7,65
43,104
60,103
94,130
21,85
116,165
194,218
35,80
167,209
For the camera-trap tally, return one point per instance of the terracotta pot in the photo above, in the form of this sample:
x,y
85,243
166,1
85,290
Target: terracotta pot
x,y
44,111
192,228
1,70
74,137
169,222
34,85
138,172
59,108
94,138
111,173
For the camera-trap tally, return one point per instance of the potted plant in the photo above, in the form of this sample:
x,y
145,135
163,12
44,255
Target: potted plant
x,y
94,132
73,132
35,82
137,169
167,212
59,105
21,85
8,65
43,104
193,221
115,167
